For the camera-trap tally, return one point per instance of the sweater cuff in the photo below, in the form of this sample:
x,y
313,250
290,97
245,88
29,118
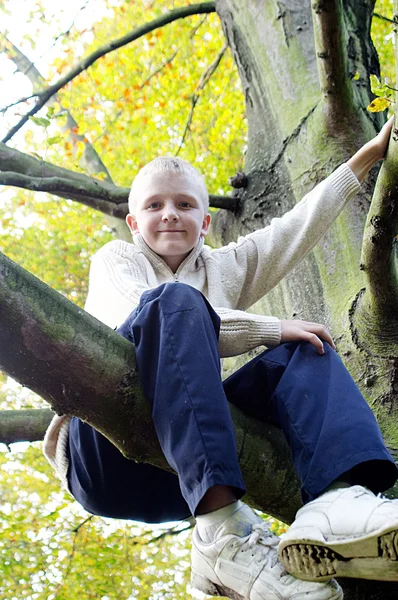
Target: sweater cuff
x,y
344,181
246,331
265,331
55,447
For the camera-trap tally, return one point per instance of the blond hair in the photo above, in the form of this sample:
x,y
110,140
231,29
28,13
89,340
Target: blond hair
x,y
168,164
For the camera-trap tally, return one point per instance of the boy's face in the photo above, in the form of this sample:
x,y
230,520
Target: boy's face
x,y
169,215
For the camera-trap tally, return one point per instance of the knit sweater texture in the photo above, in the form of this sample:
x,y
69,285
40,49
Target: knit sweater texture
x,y
232,278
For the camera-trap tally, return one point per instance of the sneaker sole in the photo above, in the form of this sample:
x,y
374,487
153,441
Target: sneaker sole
x,y
201,583
369,557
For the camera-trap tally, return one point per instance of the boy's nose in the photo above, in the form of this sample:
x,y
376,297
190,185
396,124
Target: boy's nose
x,y
170,215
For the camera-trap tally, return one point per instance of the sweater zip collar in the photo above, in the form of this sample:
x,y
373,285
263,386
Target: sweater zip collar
x,y
160,263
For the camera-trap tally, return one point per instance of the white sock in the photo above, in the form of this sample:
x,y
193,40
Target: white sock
x,y
209,523
336,485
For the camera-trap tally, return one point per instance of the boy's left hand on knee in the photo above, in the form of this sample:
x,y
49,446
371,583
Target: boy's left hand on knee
x,y
304,331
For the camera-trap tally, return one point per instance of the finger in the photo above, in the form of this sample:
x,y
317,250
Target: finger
x,y
314,340
322,332
325,335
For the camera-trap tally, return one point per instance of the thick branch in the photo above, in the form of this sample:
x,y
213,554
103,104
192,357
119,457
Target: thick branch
x,y
173,15
331,53
24,425
91,193
24,171
82,367
379,249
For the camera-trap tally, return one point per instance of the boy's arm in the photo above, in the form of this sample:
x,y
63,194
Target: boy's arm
x,y
360,164
257,262
260,260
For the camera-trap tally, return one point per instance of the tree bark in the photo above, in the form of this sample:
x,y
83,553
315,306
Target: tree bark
x,y
24,425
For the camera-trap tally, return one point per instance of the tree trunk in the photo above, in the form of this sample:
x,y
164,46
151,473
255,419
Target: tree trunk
x,y
293,144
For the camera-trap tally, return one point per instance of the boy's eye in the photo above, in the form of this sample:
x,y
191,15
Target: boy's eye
x,y
185,204
154,205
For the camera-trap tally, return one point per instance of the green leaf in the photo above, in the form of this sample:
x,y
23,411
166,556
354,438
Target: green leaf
x,y
40,121
54,140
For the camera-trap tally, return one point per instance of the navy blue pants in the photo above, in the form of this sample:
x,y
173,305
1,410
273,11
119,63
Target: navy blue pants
x,y
328,425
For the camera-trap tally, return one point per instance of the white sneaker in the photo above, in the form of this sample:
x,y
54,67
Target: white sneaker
x,y
242,564
348,532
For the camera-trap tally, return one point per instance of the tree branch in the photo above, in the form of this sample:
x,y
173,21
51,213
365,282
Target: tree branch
x,y
24,425
83,368
92,193
111,201
330,47
379,246
173,15
24,171
20,101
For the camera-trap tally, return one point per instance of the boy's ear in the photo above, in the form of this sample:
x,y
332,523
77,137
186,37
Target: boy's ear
x,y
205,225
132,223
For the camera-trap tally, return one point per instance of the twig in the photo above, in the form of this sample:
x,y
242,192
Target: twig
x,y
76,529
206,76
383,17
143,84
198,26
5,108
167,533
65,33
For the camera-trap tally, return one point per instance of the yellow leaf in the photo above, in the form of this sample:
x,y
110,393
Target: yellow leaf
x,y
379,104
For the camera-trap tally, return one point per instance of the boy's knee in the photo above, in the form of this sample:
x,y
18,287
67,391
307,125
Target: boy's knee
x,y
174,299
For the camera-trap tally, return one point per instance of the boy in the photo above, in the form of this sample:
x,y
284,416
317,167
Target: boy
x,y
183,306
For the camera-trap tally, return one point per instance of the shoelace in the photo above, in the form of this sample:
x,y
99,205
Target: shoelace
x,y
261,535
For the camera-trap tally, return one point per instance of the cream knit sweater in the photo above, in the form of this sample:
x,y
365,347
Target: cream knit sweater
x,y
232,278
